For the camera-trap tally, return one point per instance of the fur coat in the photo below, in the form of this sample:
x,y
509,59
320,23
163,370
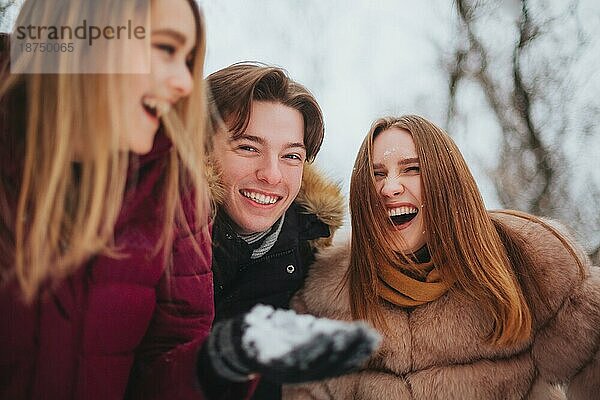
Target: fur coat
x,y
438,350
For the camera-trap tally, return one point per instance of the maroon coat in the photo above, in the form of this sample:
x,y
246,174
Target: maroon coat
x,y
117,327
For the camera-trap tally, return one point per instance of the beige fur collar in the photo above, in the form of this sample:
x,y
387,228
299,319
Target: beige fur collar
x,y
323,197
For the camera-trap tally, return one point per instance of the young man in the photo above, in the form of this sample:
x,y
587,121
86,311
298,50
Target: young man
x,y
274,210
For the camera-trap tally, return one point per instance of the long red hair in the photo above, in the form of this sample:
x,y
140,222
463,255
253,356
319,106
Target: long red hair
x,y
467,243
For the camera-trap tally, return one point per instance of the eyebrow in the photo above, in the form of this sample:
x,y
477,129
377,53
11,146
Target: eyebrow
x,y
295,144
252,138
262,141
177,36
404,161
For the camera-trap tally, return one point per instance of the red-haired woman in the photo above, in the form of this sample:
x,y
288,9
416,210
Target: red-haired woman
x,y
472,304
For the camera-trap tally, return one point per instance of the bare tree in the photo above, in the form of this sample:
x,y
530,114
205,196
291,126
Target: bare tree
x,y
4,7
521,55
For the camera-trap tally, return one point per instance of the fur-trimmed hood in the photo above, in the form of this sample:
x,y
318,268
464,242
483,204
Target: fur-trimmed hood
x,y
319,195
323,197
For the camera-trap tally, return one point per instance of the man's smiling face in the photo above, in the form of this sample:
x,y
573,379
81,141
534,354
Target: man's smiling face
x,y
261,170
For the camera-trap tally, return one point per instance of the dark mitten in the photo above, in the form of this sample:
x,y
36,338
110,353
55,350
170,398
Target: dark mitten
x,y
286,347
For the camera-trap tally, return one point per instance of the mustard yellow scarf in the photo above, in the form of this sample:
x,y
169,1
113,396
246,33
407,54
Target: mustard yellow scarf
x,y
403,290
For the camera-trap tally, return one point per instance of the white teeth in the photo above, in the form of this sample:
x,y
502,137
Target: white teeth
x,y
161,107
150,102
259,198
402,210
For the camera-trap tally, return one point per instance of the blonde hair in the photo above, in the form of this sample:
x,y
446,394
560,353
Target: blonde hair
x,y
466,243
67,214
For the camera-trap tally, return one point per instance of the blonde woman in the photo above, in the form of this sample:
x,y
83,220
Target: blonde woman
x,y
88,201
472,304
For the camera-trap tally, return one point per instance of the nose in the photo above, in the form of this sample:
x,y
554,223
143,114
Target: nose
x,y
392,187
269,171
181,82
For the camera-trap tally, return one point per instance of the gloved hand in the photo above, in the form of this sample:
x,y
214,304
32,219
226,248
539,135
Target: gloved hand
x,y
285,347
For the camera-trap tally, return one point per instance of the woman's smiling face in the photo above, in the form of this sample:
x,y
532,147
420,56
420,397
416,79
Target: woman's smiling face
x,y
398,181
173,40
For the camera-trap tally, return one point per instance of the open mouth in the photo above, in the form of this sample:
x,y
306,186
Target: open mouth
x,y
260,198
150,110
155,108
402,215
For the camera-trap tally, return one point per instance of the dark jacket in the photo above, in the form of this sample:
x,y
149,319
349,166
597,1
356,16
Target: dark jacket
x,y
240,283
115,326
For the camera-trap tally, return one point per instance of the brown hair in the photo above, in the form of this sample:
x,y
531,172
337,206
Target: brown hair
x,y
61,217
484,260
235,87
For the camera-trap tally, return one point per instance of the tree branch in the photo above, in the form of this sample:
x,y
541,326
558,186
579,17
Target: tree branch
x,y
522,103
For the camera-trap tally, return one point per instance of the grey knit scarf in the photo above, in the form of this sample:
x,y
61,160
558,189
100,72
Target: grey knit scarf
x,y
268,237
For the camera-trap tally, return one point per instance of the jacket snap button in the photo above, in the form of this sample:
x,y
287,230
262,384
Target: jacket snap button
x,y
290,269
228,236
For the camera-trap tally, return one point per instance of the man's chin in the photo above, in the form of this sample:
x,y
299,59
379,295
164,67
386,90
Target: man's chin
x,y
249,227
250,220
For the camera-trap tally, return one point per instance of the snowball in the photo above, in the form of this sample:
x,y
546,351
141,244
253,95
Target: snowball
x,y
274,334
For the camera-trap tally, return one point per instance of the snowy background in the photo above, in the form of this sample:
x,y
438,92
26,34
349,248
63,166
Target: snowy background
x,y
365,59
